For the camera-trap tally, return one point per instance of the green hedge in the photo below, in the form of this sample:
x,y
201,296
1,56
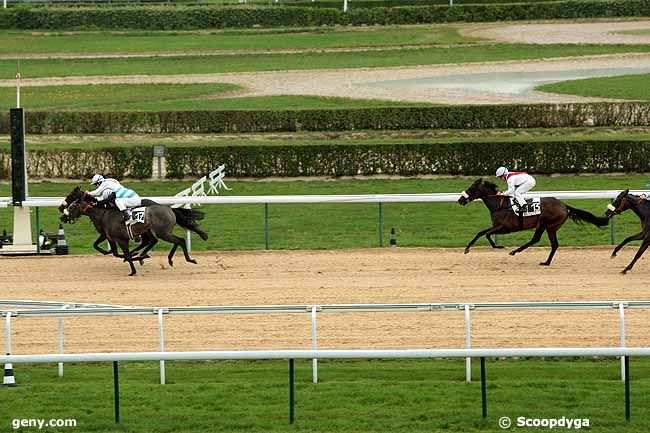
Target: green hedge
x,y
201,17
355,4
135,162
439,117
466,158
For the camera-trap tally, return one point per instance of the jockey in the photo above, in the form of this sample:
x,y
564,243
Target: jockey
x,y
519,183
125,198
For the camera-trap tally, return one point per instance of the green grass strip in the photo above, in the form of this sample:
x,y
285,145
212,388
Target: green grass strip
x,y
633,87
352,397
137,42
35,68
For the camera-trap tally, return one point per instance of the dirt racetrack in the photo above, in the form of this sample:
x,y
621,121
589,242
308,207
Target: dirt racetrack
x,y
330,277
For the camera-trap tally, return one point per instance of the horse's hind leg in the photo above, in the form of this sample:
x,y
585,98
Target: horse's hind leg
x,y
169,237
552,236
152,243
536,237
636,237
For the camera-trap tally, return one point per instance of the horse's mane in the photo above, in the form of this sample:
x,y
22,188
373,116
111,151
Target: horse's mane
x,y
490,185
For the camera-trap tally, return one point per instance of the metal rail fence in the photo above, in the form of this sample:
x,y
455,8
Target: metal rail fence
x,y
380,199
79,310
292,355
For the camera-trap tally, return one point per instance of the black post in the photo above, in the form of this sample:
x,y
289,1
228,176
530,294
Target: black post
x,y
627,388
116,381
483,391
291,392
18,165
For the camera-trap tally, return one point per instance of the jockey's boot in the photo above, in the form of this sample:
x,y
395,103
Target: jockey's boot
x,y
520,214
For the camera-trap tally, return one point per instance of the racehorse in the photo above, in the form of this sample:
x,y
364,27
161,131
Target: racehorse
x,y
77,194
641,208
159,222
504,220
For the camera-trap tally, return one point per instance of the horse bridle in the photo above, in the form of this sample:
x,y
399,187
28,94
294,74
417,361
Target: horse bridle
x,y
621,205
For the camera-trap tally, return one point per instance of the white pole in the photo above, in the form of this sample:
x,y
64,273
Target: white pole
x,y
345,5
17,84
188,240
314,345
468,344
161,335
621,313
8,333
61,345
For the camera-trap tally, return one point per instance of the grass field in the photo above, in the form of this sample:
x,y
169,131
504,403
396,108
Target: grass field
x,y
36,68
319,226
352,396
625,87
137,42
161,97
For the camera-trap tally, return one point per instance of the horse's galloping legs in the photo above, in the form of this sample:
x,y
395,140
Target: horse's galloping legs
x,y
152,243
536,237
636,237
169,237
552,236
642,248
124,244
487,232
96,246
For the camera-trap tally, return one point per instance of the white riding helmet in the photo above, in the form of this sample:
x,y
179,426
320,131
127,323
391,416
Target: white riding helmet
x,y
501,171
97,179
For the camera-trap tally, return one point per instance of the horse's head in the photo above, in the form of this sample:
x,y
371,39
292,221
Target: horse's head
x,y
76,194
620,204
478,189
75,209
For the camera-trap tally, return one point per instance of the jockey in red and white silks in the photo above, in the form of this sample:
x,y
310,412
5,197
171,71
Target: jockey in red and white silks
x,y
519,183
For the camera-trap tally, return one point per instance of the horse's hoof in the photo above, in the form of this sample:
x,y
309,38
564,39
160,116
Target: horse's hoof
x,y
466,251
141,262
612,256
192,261
131,274
170,263
499,247
512,253
544,264
624,271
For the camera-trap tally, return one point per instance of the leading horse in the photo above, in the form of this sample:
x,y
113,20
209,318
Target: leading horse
x,y
641,208
553,215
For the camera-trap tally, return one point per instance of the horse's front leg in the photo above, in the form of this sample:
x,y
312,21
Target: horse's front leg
x,y
636,237
124,244
487,232
637,256
100,239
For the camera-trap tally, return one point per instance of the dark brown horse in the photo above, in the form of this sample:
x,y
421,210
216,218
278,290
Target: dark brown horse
x,y
641,208
504,220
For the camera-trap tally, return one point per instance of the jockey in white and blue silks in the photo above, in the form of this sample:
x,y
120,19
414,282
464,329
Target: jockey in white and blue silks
x,y
125,198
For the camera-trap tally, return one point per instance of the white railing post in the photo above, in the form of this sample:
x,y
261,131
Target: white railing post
x,y
621,314
188,240
345,5
161,335
314,345
468,345
8,333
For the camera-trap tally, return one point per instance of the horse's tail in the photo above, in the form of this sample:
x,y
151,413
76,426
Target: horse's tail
x,y
579,215
187,218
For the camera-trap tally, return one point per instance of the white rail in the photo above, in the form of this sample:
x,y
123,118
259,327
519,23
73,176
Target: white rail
x,y
326,354
361,198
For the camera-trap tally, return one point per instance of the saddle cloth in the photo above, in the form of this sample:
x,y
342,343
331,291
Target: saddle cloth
x,y
137,214
532,207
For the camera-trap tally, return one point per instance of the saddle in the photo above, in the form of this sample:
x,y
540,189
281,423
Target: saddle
x,y
531,208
